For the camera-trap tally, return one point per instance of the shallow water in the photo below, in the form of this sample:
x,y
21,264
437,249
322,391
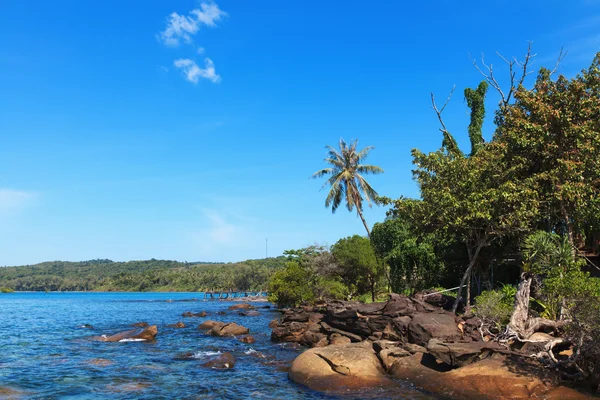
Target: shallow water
x,y
45,353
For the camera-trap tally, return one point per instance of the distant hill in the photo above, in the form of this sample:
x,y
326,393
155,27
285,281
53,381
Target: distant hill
x,y
147,275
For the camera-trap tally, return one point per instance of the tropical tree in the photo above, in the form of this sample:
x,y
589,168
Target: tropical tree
x,y
346,179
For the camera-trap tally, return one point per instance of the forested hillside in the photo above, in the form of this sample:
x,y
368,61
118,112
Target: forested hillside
x,y
149,275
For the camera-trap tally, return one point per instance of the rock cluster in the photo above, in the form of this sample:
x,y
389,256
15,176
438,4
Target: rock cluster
x,y
401,319
357,346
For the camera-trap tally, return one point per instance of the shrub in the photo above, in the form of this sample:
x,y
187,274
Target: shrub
x,y
494,307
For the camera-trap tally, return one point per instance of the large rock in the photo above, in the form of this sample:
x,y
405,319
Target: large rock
x,y
222,361
289,332
426,326
230,329
461,354
339,368
209,324
147,334
494,378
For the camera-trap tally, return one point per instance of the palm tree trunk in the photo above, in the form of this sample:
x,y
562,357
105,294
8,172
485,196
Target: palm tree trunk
x,y
362,218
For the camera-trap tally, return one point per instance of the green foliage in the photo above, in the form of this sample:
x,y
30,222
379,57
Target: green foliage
x,y
476,102
495,306
358,269
150,275
291,286
563,282
6,290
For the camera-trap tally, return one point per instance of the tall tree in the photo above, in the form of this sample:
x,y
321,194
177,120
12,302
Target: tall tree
x,y
346,179
476,102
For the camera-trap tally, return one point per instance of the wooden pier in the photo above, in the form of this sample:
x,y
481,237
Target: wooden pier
x,y
232,294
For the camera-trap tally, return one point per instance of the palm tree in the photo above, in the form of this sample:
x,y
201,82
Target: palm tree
x,y
346,180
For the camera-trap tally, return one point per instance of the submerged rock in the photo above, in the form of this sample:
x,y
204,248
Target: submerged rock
x,y
241,306
222,361
140,324
247,339
251,313
189,314
176,325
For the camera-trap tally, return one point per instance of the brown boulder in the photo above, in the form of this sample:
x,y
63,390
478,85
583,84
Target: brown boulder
x,y
495,378
273,323
426,326
140,324
148,333
209,324
177,325
336,338
339,368
189,314
241,306
289,332
461,354
223,361
230,329
247,339
390,355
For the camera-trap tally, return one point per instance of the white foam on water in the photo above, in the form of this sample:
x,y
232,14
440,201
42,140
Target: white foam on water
x,y
250,351
202,354
132,340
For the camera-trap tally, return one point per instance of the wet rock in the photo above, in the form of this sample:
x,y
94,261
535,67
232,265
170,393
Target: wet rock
x,y
147,334
247,339
425,326
273,323
87,326
209,324
241,306
140,324
222,361
189,314
339,368
9,393
188,355
230,329
176,325
250,313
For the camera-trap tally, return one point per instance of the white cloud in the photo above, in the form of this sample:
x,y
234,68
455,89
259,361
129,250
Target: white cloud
x,y
13,200
220,231
193,72
200,50
182,28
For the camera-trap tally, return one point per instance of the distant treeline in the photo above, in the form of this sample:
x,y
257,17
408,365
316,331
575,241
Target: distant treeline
x,y
132,276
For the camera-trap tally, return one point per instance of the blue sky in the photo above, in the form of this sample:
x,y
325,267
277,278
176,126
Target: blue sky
x,y
187,130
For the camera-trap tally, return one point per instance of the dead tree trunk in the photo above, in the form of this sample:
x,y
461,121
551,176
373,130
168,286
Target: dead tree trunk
x,y
521,325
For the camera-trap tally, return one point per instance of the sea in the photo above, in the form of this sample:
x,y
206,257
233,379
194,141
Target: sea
x,y
46,351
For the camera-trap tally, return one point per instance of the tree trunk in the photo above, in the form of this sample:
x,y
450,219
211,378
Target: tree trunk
x,y
521,325
468,296
362,218
466,275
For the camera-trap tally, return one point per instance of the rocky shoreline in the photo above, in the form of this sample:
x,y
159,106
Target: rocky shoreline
x,y
359,346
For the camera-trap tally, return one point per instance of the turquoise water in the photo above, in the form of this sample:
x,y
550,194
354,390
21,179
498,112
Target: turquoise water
x,y
46,354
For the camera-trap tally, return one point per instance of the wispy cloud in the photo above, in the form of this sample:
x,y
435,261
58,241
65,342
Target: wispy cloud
x,y
181,28
12,201
194,73
220,231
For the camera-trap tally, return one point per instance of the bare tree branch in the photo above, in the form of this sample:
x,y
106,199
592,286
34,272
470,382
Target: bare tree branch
x,y
441,110
514,65
561,56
